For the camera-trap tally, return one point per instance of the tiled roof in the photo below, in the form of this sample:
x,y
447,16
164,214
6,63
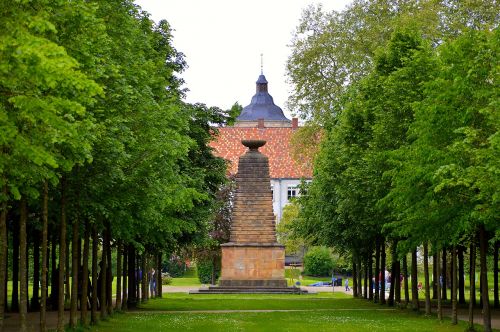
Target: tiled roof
x,y
277,149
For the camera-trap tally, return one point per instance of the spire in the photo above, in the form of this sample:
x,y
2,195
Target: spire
x,y
262,105
262,64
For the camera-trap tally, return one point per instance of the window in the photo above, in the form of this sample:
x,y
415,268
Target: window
x,y
292,192
272,191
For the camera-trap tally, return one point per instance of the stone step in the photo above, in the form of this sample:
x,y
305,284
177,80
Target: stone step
x,y
265,228
253,214
248,290
258,234
253,220
253,239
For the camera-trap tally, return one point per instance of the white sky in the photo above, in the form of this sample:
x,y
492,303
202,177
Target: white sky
x,y
222,41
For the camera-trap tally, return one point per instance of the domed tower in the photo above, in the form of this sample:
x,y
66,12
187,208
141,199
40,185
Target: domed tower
x,y
263,120
263,109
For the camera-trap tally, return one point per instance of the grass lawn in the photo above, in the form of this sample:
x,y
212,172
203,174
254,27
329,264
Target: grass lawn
x,y
318,312
190,278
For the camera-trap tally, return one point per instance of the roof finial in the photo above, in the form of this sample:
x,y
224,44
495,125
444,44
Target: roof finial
x,y
262,64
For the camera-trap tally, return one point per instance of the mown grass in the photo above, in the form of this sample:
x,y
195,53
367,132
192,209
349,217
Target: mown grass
x,y
355,321
320,312
185,302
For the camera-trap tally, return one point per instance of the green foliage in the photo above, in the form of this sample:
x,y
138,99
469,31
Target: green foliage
x,y
409,152
331,51
174,267
166,279
450,163
90,92
318,261
285,230
44,121
205,268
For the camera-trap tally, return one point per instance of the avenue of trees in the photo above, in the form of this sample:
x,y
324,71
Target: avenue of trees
x,y
406,94
103,167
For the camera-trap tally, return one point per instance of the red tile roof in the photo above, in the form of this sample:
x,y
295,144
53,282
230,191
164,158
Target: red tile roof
x,y
277,149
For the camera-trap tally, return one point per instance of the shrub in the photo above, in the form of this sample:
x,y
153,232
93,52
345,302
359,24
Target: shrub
x,y
175,267
318,262
204,270
166,279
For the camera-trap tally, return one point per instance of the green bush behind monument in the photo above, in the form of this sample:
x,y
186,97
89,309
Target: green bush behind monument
x,y
318,262
205,268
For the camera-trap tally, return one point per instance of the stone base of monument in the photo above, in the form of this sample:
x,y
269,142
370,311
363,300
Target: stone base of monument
x,y
248,290
252,268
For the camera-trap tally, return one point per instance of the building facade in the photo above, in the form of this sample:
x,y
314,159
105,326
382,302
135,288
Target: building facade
x,y
262,119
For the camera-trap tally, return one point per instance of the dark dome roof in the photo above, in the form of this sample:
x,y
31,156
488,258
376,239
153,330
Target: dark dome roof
x,y
262,105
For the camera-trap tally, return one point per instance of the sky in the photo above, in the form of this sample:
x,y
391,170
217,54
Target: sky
x,y
223,40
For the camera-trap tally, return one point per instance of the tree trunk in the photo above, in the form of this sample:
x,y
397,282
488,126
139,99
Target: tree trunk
x,y
14,304
360,277
45,231
496,303
414,281
62,259
131,294
382,273
35,300
483,243
6,300
75,265
393,274
102,279
480,285
3,255
426,277
444,296
27,266
454,288
67,289
370,276
435,277
354,277
85,276
365,284
54,272
405,280
377,271
95,247
159,290
438,272
119,276
109,271
138,279
144,279
397,293
124,272
146,274
23,301
472,278
461,275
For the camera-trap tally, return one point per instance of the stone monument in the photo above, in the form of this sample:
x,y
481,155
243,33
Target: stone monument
x,y
253,257
253,261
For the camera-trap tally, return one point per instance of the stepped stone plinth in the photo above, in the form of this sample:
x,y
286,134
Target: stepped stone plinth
x,y
253,258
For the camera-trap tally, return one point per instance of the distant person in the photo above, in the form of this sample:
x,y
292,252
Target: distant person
x,y
347,285
152,282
